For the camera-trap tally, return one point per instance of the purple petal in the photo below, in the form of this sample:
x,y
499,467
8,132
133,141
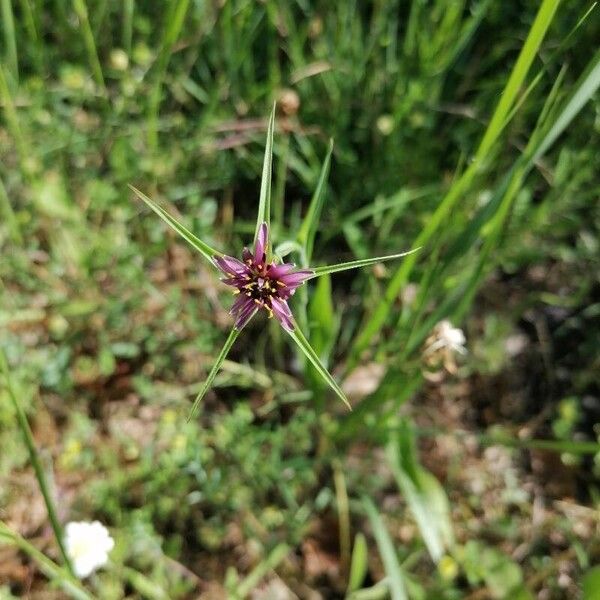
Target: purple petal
x,y
245,314
247,255
282,313
276,271
237,282
261,243
230,265
240,303
296,278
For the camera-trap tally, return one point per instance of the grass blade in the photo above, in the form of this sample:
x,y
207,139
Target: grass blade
x,y
9,215
387,552
185,233
359,564
57,574
12,120
81,11
517,77
35,461
264,202
308,229
249,583
423,493
127,28
215,369
355,264
343,510
312,356
10,42
456,192
174,23
584,90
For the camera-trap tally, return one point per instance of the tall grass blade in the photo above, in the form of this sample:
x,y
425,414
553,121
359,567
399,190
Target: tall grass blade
x,y
308,228
387,552
343,510
127,27
81,11
423,494
9,215
359,564
35,461
312,356
508,97
249,583
185,233
517,77
174,23
10,40
213,372
584,89
12,119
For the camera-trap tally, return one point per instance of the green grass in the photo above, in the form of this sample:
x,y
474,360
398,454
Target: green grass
x,y
466,128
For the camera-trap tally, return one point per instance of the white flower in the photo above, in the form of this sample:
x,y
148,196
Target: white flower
x,y
447,336
87,545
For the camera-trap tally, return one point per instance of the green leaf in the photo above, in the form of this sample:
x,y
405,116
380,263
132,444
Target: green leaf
x,y
185,233
359,564
264,203
215,369
355,264
423,493
308,229
305,346
387,552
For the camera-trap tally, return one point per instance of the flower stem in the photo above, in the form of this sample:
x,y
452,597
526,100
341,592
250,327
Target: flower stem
x,y
35,461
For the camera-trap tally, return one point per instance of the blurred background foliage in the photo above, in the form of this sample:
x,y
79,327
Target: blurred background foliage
x,y
484,465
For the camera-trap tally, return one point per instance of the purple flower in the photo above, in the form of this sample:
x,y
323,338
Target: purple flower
x,y
258,281
261,283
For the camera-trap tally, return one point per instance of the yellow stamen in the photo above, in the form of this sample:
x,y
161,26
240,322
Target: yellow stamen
x,y
236,292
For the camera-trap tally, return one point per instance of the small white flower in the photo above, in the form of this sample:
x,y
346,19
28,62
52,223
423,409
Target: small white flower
x,y
87,545
447,336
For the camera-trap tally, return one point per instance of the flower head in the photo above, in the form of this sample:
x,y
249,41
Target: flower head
x,y
446,337
87,545
258,280
261,283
